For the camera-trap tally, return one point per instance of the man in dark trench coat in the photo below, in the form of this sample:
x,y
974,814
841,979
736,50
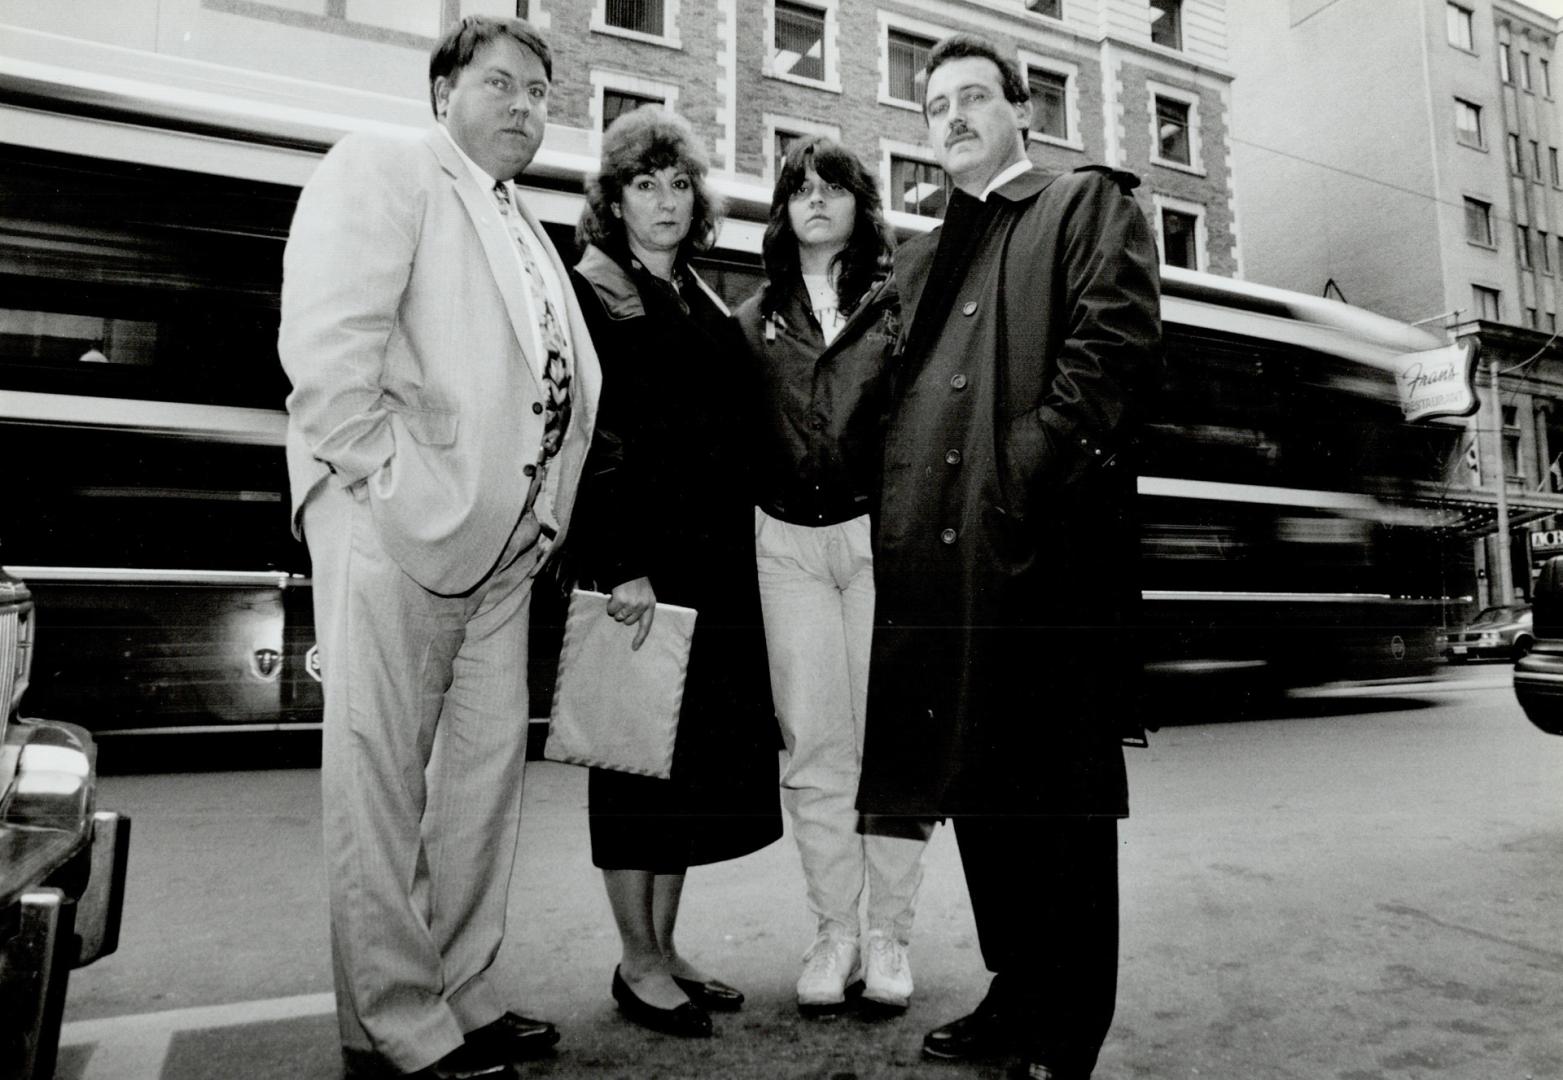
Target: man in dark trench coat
x,y
1001,673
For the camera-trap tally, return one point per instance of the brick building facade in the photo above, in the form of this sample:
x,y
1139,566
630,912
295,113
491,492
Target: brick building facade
x,y
259,87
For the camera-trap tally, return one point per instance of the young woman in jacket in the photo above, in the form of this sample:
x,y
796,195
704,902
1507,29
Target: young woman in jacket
x,y
820,333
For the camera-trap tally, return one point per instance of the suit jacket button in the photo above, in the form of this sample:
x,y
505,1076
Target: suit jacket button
x,y
947,536
529,470
952,457
969,307
958,381
537,406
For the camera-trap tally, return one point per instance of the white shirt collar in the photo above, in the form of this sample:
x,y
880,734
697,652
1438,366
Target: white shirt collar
x,y
485,181
1005,176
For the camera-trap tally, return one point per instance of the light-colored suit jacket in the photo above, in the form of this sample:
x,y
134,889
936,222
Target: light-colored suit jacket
x,y
403,333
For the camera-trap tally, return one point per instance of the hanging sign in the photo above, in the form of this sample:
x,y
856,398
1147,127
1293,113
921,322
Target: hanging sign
x,y
1438,382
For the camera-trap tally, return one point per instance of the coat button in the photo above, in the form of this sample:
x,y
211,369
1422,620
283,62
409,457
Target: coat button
x,y
969,307
529,470
952,457
537,406
958,381
948,536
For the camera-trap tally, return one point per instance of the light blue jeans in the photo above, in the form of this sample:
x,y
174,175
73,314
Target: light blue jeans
x,y
817,593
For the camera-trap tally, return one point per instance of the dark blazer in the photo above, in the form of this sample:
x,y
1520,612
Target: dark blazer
x,y
1005,558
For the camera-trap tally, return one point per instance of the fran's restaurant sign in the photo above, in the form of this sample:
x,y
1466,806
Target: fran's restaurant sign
x,y
1438,382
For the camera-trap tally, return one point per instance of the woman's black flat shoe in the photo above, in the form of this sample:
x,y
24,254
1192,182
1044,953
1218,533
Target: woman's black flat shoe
x,y
688,1020
713,994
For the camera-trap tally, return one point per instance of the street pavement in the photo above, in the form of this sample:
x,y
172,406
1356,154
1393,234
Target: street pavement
x,y
1369,887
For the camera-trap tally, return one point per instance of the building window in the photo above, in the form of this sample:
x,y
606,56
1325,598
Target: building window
x,y
1514,155
907,53
1546,76
1459,19
1478,222
645,17
1552,159
615,103
916,187
1533,318
1172,131
1049,103
1523,241
1525,69
800,41
1535,159
1544,249
523,9
1468,123
781,143
1049,8
1167,23
1178,239
1503,64
1487,301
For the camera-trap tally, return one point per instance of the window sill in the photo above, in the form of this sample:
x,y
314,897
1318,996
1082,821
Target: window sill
x,y
799,80
1054,140
900,103
666,41
1178,166
1479,244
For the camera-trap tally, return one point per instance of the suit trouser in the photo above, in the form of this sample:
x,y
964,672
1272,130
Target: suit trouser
x,y
817,596
423,751
1044,894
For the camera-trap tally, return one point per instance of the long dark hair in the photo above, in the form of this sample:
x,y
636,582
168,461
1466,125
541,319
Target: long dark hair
x,y
867,254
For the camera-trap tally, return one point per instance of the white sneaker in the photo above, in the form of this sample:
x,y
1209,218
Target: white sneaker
x,y
887,975
827,968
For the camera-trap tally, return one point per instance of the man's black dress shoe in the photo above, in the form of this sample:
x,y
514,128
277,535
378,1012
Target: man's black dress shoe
x,y
688,1020
515,1037
468,1062
980,1034
713,994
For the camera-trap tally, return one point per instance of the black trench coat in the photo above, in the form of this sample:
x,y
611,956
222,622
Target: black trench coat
x,y
1001,671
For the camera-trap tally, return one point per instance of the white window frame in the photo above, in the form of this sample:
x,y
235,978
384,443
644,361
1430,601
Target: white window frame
x,y
1181,46
1071,74
1491,243
668,38
889,148
832,79
1025,9
1196,163
1194,210
1481,130
603,79
1497,295
889,21
792,125
1459,14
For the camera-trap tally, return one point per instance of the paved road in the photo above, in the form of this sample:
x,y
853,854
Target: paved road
x,y
1368,889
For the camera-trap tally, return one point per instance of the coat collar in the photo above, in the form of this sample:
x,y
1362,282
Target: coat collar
x,y
611,282
1028,185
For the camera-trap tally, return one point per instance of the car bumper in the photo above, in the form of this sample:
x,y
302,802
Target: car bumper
x,y
62,884
1538,684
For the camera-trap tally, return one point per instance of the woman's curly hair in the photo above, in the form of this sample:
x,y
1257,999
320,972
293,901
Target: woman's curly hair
x,y
866,256
643,141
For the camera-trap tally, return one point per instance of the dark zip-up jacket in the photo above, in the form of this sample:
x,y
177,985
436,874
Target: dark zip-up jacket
x,y
822,432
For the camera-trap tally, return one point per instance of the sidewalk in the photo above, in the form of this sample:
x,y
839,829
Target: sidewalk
x,y
1373,896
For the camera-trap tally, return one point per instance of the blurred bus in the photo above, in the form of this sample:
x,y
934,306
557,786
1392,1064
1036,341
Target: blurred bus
x,y
141,430
1293,523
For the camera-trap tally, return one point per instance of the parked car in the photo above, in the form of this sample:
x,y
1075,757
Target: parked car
x,y
1538,675
1500,631
62,860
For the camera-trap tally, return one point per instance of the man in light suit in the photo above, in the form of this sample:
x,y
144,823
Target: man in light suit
x,y
444,393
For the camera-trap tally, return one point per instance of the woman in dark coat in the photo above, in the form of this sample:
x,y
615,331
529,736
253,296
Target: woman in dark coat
x,y
665,514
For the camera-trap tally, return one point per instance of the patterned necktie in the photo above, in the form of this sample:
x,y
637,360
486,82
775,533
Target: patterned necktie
x,y
556,347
